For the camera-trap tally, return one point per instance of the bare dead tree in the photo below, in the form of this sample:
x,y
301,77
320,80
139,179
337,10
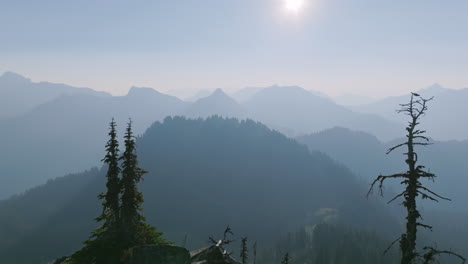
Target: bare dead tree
x,y
222,242
411,180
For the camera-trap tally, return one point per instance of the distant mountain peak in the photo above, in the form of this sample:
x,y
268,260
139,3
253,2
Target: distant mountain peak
x,y
217,95
14,77
432,90
217,103
435,86
219,92
142,91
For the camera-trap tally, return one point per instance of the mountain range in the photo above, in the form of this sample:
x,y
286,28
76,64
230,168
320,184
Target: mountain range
x,y
42,130
78,121
19,95
366,156
445,115
207,171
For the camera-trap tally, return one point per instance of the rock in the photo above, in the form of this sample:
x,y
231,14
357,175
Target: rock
x,y
212,255
159,254
59,260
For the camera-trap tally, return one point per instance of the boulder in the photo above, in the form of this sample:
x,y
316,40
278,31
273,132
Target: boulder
x,y
159,254
212,255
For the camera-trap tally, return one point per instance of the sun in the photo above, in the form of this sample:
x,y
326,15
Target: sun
x,y
294,5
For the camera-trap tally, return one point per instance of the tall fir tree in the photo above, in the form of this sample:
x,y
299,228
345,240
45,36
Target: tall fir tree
x,y
285,259
123,224
254,248
132,220
111,204
134,230
103,247
108,234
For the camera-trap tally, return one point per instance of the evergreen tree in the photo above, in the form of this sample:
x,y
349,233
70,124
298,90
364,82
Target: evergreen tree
x,y
285,259
254,252
103,246
108,234
111,203
411,179
123,224
244,250
131,217
134,229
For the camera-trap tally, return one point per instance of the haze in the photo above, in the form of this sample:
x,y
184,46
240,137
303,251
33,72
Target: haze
x,y
233,132
335,46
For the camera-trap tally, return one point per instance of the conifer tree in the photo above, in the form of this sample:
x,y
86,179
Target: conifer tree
x,y
107,236
132,220
111,204
285,259
103,247
123,224
254,248
244,250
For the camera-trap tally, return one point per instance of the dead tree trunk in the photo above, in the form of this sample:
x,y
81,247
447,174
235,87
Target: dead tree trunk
x,y
415,109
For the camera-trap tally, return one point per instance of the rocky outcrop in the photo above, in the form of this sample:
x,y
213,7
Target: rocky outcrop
x,y
159,254
212,255
167,254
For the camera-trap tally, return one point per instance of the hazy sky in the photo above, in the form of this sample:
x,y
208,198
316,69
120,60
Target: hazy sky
x,y
368,47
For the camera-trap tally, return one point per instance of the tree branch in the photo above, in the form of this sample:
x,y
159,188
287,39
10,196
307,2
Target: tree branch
x,y
381,180
430,256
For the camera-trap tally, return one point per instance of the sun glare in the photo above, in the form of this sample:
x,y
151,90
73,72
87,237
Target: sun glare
x,y
294,5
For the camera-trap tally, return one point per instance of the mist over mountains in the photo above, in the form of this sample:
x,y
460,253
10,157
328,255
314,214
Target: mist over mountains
x,y
19,95
366,156
445,120
78,121
268,160
49,119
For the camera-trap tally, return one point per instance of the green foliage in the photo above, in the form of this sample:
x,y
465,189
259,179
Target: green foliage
x,y
111,205
103,246
285,259
124,226
133,228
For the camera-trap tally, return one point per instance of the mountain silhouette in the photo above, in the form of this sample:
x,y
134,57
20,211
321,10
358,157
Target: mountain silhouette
x,y
19,95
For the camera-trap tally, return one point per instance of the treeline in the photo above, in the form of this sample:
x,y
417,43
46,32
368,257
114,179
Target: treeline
x,y
330,243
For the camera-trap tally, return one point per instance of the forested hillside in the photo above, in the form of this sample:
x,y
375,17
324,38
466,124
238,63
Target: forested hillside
x,y
204,174
366,156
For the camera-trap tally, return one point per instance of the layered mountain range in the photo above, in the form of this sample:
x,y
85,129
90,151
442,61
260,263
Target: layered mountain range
x,y
42,121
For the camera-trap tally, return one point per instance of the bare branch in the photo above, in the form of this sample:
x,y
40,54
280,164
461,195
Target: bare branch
x,y
396,197
423,137
422,144
395,147
432,252
424,225
391,245
381,180
433,193
427,196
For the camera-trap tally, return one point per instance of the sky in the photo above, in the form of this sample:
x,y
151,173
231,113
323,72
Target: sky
x,y
366,47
